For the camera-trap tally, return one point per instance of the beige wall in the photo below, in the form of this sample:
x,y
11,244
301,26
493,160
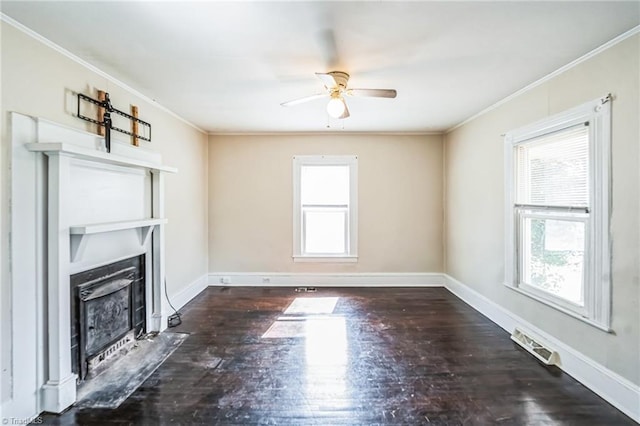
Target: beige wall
x,y
399,202
39,81
474,226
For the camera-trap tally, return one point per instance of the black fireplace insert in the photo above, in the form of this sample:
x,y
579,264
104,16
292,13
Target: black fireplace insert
x,y
107,309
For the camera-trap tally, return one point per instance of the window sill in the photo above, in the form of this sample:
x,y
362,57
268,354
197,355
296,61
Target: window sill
x,y
326,259
560,308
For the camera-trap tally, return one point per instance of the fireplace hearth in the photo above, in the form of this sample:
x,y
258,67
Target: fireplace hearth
x,y
107,313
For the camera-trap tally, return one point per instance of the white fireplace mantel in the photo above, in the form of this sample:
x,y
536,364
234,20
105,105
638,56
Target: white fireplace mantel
x,y
92,154
65,189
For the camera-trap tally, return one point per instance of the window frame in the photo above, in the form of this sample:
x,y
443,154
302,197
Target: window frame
x,y
352,209
597,264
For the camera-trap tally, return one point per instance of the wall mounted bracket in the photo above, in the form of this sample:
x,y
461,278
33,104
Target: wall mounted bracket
x,y
105,119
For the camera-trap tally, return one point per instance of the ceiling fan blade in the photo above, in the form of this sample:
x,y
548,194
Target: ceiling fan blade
x,y
328,48
372,93
345,114
303,100
327,79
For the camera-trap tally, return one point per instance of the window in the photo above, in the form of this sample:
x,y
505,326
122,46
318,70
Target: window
x,y
557,211
325,208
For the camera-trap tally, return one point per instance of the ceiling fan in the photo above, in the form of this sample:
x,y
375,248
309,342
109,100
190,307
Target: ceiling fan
x,y
335,83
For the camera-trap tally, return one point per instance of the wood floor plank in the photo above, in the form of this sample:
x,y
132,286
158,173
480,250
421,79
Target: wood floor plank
x,y
383,356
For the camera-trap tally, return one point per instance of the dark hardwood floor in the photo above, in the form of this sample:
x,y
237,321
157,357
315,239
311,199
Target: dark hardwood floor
x,y
383,356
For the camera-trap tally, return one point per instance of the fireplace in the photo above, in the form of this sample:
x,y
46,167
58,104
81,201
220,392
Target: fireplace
x,y
75,209
107,313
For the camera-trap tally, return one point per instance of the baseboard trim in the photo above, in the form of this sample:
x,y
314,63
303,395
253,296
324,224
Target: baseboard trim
x,y
268,279
188,293
615,389
58,395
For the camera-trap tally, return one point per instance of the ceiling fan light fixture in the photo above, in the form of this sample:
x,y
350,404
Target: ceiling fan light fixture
x,y
336,107
335,84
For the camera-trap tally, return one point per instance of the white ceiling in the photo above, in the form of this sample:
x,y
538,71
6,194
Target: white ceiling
x,y
227,66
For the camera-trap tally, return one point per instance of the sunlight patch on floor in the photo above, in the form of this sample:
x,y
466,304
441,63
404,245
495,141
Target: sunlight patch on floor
x,y
306,317
312,306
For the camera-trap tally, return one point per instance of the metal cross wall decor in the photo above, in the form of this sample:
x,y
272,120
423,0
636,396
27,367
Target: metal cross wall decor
x,y
107,121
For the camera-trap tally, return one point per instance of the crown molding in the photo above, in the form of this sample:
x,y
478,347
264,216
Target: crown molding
x,y
630,33
320,133
42,39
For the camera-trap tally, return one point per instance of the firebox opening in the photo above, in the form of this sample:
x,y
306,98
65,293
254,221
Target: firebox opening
x,y
107,313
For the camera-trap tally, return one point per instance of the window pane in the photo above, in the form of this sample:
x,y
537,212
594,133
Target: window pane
x,y
321,185
553,257
553,169
325,232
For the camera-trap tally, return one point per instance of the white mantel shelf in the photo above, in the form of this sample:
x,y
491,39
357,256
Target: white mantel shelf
x,y
79,232
95,155
96,228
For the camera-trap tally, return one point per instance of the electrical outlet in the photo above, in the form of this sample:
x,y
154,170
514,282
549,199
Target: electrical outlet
x,y
225,280
266,280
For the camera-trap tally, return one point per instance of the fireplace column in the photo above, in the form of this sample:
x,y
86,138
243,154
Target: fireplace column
x,y
59,392
160,314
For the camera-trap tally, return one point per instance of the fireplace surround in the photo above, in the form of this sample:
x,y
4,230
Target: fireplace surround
x,y
75,208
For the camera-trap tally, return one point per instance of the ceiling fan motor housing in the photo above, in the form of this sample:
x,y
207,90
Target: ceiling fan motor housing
x,y
341,78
